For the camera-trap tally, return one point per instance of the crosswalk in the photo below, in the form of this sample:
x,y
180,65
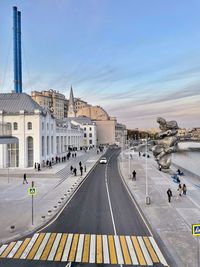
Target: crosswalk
x,y
86,248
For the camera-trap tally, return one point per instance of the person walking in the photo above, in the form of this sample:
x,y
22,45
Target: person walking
x,y
85,169
39,167
180,189
75,171
169,193
71,169
184,189
35,165
80,164
81,170
134,175
50,165
160,168
25,180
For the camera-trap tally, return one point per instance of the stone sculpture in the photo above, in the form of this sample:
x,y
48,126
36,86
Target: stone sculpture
x,y
166,144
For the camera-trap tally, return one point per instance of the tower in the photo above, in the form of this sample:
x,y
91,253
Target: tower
x,y
17,50
71,106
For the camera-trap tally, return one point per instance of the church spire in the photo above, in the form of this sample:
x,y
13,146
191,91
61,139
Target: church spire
x,y
71,106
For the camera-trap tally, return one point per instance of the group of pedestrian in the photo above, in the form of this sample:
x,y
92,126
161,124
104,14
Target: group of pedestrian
x,y
37,166
182,189
73,170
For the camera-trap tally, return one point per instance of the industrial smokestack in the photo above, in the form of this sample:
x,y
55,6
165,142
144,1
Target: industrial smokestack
x,y
15,48
19,52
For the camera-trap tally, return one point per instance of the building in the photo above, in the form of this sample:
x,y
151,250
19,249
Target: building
x,y
79,103
71,105
89,128
40,136
108,130
52,100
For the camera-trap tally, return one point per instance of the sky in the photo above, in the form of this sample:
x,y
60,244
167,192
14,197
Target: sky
x,y
138,59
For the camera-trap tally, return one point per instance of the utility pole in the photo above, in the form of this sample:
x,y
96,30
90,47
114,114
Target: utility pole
x,y
146,174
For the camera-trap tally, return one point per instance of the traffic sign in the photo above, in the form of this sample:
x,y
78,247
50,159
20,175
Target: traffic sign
x,y
196,229
32,191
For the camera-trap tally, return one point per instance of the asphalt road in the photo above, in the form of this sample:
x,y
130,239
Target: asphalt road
x,y
101,206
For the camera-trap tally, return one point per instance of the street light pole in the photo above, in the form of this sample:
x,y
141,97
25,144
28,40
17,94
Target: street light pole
x,y
147,193
129,160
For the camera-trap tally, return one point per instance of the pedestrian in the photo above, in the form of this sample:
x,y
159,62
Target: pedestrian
x,y
25,180
169,193
184,189
139,154
160,168
80,164
81,170
72,155
75,170
50,165
71,169
75,155
35,165
85,168
39,167
180,190
134,175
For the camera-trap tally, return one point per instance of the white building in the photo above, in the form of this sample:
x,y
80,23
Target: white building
x,y
40,136
89,128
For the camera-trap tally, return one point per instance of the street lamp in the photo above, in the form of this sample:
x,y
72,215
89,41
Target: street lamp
x,y
147,192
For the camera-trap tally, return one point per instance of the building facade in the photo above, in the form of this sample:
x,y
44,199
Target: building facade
x,y
39,135
52,100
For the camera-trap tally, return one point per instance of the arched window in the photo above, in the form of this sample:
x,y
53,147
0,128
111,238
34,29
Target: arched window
x,y
15,126
29,125
30,151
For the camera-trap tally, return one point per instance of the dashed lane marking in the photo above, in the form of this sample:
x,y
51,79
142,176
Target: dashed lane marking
x,y
86,248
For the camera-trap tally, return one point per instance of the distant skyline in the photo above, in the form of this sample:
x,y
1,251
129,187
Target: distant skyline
x,y
137,59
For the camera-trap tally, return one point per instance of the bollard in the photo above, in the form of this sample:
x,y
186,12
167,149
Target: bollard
x,y
43,218
59,203
55,207
12,228
49,212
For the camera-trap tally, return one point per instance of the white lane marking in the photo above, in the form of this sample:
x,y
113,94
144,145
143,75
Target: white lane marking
x,y
42,246
29,247
136,205
131,250
3,247
92,249
14,250
158,252
80,248
105,250
118,250
144,250
67,247
68,264
54,248
109,201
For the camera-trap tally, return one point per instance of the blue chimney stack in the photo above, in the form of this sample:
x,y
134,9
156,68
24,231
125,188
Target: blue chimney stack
x,y
17,50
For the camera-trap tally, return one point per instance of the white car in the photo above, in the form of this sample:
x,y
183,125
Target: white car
x,y
103,160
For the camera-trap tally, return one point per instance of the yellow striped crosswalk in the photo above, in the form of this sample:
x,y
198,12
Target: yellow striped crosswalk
x,y
86,248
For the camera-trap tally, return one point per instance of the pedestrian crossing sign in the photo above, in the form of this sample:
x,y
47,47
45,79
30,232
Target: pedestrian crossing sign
x,y
32,191
196,229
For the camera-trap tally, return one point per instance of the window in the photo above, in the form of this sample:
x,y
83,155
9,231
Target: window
x,y
13,155
85,135
43,126
47,145
90,134
52,127
15,126
84,128
90,142
42,146
29,125
52,144
47,126
30,151
90,128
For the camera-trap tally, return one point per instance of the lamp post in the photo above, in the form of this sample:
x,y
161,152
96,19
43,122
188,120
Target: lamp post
x,y
146,174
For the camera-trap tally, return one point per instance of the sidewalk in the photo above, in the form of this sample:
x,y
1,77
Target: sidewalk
x,y
16,204
170,221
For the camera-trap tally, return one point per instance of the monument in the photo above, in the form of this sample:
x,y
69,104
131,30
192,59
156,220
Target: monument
x,y
166,144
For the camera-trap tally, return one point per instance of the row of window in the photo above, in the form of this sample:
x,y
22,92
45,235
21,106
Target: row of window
x,y
89,128
15,126
90,135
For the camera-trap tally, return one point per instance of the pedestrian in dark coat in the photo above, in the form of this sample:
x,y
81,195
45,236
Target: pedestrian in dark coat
x,y
81,170
71,169
85,168
184,189
39,167
50,165
160,168
75,171
80,164
169,193
35,165
25,180
134,175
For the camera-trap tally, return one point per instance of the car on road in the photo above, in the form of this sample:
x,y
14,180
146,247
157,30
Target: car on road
x,y
103,161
